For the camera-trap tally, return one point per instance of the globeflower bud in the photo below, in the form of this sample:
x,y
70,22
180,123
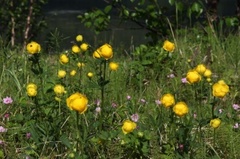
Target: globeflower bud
x,y
63,59
77,102
215,123
167,100
33,48
168,46
180,109
128,126
193,77
113,66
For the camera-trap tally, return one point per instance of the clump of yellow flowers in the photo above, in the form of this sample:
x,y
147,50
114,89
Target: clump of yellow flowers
x,y
195,75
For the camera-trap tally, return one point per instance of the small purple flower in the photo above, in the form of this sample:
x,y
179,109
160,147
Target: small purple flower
x,y
1,142
114,105
135,117
143,101
184,80
236,125
158,102
129,97
7,100
171,75
98,102
2,129
28,135
235,106
220,111
181,147
98,110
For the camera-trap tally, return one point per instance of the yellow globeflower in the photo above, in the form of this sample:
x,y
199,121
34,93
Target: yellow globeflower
x,y
128,126
61,73
106,51
113,66
80,64
168,46
73,72
207,73
220,89
63,59
31,92
90,74
33,47
59,89
180,109
77,102
193,76
32,85
96,54
201,68
79,38
84,46
76,49
167,100
215,123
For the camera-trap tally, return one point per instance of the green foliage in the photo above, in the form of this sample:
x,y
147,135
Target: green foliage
x,y
13,15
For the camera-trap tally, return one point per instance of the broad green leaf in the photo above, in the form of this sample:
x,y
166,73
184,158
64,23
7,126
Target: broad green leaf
x,y
107,9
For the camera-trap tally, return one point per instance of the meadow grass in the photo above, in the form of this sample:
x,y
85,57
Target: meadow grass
x,y
42,126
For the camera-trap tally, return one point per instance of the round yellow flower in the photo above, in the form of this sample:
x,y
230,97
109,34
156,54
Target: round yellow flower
x,y
215,123
84,46
90,74
193,76
96,54
32,85
168,46
220,89
180,109
128,126
79,38
59,89
33,47
73,72
106,51
207,73
113,66
31,92
77,102
61,73
167,100
201,68
63,59
80,64
76,49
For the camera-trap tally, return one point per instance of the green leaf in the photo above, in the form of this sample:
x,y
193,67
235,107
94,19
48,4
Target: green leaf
x,y
171,2
107,9
64,139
